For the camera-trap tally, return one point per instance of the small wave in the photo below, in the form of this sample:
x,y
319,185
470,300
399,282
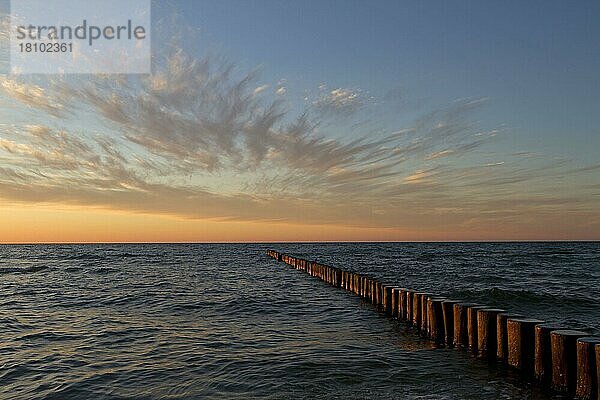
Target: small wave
x,y
48,335
498,295
12,323
26,270
104,271
74,269
85,256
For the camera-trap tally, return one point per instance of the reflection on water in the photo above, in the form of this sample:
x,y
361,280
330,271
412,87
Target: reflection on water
x,y
226,322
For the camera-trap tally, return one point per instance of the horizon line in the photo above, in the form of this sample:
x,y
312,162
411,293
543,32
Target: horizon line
x,y
314,242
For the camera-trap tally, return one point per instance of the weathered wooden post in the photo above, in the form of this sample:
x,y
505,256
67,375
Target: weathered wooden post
x,y
395,301
598,370
374,295
461,332
402,304
587,387
502,334
424,313
472,326
389,295
521,343
563,345
448,316
373,289
416,309
486,331
436,319
409,305
350,281
543,352
380,295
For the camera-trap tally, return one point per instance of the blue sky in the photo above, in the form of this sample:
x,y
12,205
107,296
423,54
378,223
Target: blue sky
x,y
537,61
361,120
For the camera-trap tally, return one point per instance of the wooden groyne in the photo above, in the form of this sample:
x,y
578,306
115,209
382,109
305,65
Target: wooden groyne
x,y
562,360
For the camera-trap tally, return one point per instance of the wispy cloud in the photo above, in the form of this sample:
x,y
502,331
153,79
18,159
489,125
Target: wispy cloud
x,y
339,101
201,139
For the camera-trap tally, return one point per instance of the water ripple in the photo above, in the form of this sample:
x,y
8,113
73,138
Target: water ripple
x,y
225,322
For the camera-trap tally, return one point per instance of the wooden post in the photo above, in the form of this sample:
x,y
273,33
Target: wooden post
x,y
587,369
486,332
448,315
472,328
373,289
501,331
563,345
402,304
436,319
409,305
598,370
521,343
350,281
543,352
416,309
376,300
389,295
424,313
395,301
461,336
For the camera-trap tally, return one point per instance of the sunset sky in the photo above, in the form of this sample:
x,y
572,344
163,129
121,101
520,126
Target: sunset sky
x,y
329,120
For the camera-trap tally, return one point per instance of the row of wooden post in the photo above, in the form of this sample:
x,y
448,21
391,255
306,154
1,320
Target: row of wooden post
x,y
564,360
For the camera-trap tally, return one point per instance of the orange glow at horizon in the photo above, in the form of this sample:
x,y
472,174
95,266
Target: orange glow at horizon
x,y
55,224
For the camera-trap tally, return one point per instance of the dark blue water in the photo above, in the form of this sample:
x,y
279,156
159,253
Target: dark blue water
x,y
226,322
